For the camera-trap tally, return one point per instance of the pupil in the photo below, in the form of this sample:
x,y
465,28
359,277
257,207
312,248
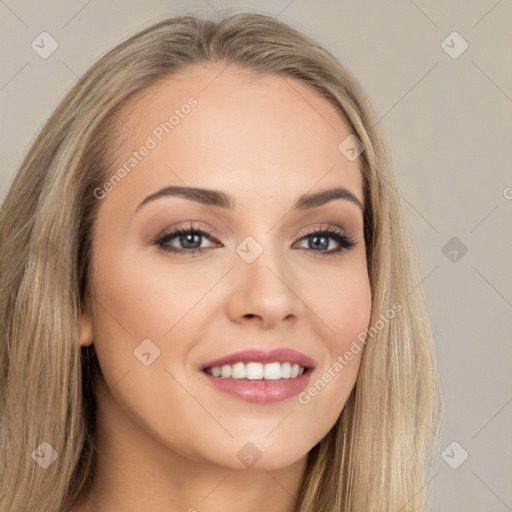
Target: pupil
x,y
323,245
189,238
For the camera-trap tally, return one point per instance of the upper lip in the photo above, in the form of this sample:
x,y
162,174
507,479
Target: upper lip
x,y
280,355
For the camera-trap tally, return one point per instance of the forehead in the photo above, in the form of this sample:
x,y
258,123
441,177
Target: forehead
x,y
251,135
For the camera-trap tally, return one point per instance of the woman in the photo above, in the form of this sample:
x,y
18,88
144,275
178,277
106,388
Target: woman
x,y
283,361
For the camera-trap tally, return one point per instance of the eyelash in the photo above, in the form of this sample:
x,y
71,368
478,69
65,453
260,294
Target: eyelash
x,y
345,241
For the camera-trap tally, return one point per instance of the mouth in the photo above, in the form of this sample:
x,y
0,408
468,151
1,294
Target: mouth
x,y
260,377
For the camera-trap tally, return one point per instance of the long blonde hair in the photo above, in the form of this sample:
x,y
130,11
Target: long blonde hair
x,y
379,456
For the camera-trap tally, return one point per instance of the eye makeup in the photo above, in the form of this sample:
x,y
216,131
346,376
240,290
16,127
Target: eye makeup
x,y
316,237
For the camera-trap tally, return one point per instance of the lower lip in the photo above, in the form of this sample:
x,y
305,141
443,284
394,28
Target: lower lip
x,y
261,391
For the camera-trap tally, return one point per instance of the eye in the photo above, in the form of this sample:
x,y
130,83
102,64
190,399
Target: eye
x,y
188,236
320,239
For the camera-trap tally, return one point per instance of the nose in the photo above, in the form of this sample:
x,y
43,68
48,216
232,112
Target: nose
x,y
265,291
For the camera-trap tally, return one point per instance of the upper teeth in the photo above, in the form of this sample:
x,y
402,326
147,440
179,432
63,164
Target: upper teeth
x,y
257,371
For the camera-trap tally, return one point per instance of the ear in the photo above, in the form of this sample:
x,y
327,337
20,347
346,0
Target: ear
x,y
86,336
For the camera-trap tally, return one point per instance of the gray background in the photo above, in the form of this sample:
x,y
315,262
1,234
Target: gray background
x,y
448,122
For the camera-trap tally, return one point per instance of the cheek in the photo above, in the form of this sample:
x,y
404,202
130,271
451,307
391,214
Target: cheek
x,y
345,310
143,297
134,304
130,306
344,303
140,298
350,309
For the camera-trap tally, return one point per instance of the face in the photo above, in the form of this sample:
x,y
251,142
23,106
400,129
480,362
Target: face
x,y
269,272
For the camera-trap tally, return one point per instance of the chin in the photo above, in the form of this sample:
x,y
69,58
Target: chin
x,y
254,456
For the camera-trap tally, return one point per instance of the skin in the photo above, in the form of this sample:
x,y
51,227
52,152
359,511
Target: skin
x,y
167,439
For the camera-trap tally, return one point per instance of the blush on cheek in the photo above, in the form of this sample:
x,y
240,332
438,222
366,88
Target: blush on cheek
x,y
348,310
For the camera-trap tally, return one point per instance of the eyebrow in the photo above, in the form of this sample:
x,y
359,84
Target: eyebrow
x,y
223,200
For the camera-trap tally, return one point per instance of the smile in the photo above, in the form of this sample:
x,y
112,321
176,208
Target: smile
x,y
258,376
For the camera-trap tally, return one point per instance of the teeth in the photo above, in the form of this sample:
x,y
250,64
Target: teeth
x,y
286,370
226,371
237,371
257,371
272,371
253,371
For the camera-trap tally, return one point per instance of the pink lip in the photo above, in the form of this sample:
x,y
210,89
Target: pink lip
x,y
262,391
279,355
